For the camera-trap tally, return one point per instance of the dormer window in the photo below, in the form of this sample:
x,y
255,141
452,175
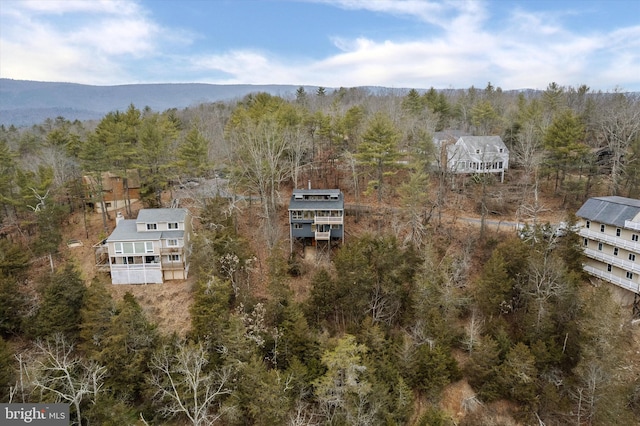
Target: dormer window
x,y
152,226
477,151
173,225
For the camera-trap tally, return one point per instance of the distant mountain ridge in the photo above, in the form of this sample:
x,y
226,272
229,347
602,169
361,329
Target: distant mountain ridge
x,y
24,103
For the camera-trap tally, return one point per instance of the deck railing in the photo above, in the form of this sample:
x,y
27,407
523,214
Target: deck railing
x,y
608,276
170,250
632,225
627,265
136,266
328,220
610,239
323,236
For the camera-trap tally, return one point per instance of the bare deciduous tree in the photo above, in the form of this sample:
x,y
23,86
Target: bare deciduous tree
x,y
184,385
260,153
620,126
66,376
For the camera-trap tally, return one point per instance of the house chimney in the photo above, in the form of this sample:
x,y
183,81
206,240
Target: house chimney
x,y
309,183
118,218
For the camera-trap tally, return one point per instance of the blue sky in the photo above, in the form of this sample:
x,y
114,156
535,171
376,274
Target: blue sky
x,y
392,43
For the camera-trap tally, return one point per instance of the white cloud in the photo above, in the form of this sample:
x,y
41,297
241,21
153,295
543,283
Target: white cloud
x,y
81,41
107,42
59,7
427,11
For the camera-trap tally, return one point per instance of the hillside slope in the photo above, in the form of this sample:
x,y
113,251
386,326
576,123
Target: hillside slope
x,y
24,103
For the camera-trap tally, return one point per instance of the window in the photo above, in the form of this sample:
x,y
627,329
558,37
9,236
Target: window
x,y
632,257
477,151
118,248
634,237
601,228
586,242
600,246
609,268
173,225
615,251
296,214
500,164
500,150
629,275
152,226
618,232
297,226
588,224
172,243
148,246
174,258
150,259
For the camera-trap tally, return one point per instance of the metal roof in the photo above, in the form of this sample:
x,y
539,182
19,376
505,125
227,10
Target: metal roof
x,y
161,215
612,210
126,230
336,203
484,143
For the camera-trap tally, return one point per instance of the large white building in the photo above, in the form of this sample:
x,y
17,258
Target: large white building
x,y
147,250
610,231
473,154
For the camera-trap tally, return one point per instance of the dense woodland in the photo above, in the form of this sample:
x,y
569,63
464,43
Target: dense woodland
x,y
407,307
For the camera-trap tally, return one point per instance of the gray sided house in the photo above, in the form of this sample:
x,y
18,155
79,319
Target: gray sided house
x,y
148,250
610,231
476,155
316,215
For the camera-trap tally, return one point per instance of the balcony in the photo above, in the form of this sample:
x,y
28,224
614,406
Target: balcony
x,y
627,265
171,250
608,276
323,236
328,220
611,239
136,267
632,225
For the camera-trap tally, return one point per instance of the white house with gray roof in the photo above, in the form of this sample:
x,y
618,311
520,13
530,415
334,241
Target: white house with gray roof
x,y
476,155
610,231
150,249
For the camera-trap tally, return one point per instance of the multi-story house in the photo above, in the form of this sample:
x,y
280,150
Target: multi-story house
x,y
610,231
474,155
148,250
112,189
316,216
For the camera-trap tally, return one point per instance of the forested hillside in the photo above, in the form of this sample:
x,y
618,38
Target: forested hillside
x,y
24,103
418,319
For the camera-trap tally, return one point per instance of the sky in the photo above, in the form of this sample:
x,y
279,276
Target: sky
x,y
514,44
